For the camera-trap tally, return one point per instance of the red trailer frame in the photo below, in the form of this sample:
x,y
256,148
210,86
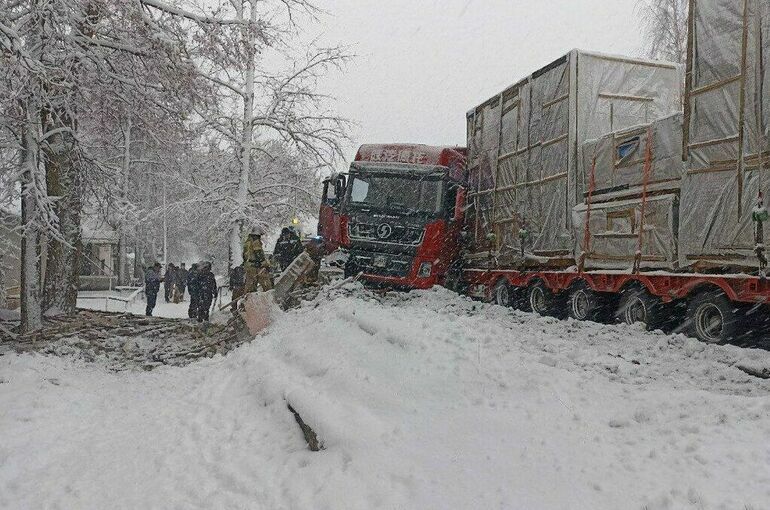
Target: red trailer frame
x,y
666,286
714,307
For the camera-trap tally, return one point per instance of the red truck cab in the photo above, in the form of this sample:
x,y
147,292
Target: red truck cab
x,y
401,215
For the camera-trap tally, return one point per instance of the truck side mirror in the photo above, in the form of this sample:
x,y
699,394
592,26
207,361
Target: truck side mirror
x,y
459,205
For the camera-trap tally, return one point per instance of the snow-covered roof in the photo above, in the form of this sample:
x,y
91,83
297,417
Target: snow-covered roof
x,y
96,230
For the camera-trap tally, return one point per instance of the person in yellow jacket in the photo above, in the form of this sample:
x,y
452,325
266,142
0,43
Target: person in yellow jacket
x,y
255,264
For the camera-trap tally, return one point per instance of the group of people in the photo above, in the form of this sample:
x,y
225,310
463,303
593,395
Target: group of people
x,y
175,282
199,281
255,272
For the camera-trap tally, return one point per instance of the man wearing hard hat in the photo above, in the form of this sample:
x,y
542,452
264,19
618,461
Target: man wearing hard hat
x,y
255,264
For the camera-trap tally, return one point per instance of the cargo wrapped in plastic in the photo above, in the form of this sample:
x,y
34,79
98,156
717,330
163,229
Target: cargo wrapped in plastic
x,y
610,234
617,160
525,171
726,139
626,174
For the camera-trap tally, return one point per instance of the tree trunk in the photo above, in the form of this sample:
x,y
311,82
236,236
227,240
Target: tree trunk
x,y
247,136
29,293
3,300
63,179
123,269
165,229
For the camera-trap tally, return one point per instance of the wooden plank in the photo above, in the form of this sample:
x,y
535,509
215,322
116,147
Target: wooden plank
x,y
623,258
558,100
554,141
626,97
688,79
718,141
712,256
711,170
715,85
556,177
742,105
624,60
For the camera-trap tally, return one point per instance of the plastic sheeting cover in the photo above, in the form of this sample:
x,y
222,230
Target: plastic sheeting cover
x,y
614,229
724,177
620,157
524,144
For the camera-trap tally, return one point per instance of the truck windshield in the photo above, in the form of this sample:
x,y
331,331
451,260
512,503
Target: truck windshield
x,y
397,193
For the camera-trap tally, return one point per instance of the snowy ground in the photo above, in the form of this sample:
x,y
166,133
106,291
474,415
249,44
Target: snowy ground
x,y
425,401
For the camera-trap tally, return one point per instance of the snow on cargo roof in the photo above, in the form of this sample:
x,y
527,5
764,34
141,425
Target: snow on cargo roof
x,y
596,54
414,154
398,168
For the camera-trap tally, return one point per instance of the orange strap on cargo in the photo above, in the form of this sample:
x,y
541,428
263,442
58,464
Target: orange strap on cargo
x,y
587,229
646,182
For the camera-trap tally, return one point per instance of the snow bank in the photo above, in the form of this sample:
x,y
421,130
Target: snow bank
x,y
424,401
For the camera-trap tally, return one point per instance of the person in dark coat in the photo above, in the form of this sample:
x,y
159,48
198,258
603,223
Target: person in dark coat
x,y
193,287
182,280
207,290
237,285
169,281
152,281
288,247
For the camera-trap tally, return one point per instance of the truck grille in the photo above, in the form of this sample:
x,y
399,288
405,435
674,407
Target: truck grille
x,y
386,233
381,264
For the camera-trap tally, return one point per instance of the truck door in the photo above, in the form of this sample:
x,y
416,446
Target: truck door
x,y
329,215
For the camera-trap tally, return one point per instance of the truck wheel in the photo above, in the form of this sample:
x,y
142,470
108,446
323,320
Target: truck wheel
x,y
712,318
540,300
638,305
502,294
585,304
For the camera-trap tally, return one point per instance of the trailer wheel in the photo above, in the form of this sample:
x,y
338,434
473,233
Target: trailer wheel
x,y
585,304
502,294
712,318
638,305
540,300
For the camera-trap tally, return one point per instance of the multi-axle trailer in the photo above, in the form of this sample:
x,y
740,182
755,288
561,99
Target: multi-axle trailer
x,y
714,308
587,190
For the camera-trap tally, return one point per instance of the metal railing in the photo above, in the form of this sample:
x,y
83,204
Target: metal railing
x,y
107,299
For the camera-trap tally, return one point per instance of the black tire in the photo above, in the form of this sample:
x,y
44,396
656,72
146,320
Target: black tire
x,y
540,300
503,294
714,319
584,304
638,305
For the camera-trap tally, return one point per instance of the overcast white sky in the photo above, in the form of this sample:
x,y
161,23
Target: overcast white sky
x,y
422,64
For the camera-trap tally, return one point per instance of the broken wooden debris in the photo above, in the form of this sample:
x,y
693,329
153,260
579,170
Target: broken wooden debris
x,y
311,438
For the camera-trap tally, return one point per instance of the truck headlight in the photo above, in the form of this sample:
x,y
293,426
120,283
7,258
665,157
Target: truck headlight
x,y
425,269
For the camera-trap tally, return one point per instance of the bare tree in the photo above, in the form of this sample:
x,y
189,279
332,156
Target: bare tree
x,y
665,28
103,103
55,57
263,91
